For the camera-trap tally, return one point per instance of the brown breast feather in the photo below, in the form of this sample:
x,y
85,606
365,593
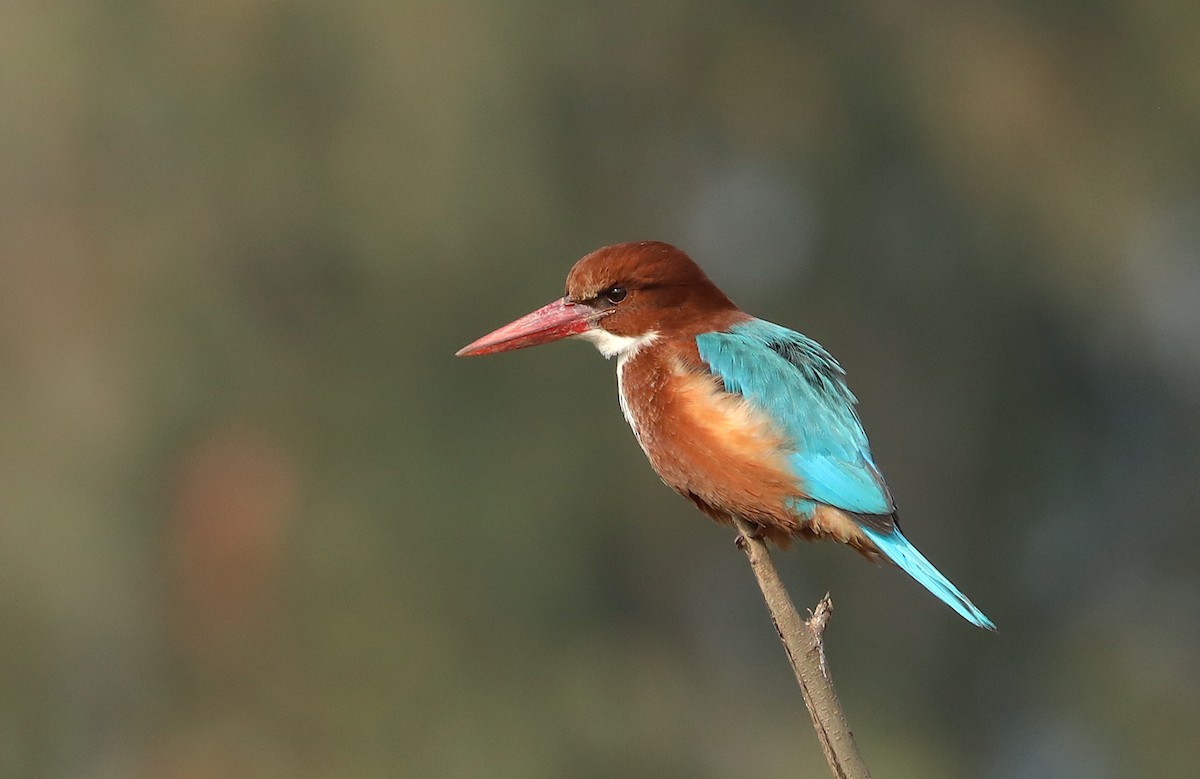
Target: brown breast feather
x,y
708,445
718,451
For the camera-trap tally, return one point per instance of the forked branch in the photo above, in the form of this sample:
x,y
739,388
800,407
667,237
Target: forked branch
x,y
802,639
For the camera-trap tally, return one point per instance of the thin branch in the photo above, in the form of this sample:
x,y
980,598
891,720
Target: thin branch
x,y
803,642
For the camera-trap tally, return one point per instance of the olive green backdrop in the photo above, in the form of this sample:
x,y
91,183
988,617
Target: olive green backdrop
x,y
256,521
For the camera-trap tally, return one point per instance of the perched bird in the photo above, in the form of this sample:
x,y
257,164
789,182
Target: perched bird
x,y
740,416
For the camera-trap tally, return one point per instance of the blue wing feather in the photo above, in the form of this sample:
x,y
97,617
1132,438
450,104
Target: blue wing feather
x,y
799,385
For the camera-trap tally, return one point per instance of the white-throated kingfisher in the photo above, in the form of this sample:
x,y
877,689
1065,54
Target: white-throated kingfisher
x,y
740,416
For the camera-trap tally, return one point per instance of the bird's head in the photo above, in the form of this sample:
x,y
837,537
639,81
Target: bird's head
x,y
618,297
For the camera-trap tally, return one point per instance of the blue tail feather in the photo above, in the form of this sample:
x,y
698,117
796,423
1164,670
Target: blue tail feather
x,y
894,546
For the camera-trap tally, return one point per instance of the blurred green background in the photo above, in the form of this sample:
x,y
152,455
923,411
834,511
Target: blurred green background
x,y
256,521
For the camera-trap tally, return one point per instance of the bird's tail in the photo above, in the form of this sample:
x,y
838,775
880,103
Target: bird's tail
x,y
894,546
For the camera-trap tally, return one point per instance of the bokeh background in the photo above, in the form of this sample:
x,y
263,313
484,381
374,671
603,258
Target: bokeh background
x,y
256,521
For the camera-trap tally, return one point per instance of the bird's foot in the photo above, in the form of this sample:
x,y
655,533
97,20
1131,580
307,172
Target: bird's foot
x,y
741,540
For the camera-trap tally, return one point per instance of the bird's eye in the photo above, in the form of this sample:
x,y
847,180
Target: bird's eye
x,y
615,295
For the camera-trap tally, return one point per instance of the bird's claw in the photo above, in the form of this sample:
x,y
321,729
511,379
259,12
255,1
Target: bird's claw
x,y
743,538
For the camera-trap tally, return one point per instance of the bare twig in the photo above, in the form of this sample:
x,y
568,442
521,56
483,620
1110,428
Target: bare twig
x,y
806,652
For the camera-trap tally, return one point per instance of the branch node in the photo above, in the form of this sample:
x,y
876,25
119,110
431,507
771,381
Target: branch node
x,y
802,641
819,618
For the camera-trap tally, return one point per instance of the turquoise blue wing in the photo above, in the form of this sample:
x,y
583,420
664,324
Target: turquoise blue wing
x,y
793,380
799,385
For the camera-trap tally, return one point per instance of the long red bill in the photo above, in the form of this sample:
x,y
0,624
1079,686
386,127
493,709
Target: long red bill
x,y
559,319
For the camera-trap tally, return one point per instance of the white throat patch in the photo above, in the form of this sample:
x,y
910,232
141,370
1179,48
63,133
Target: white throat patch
x,y
620,346
623,347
